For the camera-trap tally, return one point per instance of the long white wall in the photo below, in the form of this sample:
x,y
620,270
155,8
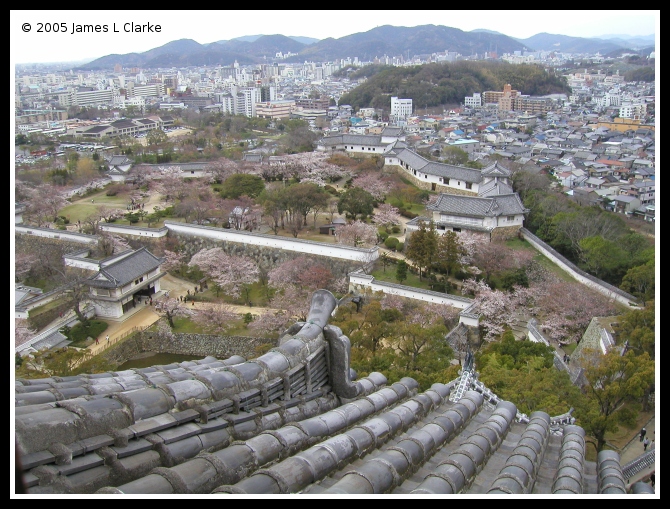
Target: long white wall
x,y
362,255
359,282
53,233
608,290
133,230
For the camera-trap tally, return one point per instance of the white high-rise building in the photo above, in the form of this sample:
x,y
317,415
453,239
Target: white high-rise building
x,y
473,102
400,108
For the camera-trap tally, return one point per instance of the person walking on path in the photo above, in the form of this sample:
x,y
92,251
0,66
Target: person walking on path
x,y
643,432
652,478
645,443
97,341
107,338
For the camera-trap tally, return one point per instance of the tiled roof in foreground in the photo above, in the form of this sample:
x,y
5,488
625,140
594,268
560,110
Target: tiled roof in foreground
x,y
294,420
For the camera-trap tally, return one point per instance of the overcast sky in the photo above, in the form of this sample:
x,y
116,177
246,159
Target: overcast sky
x,y
27,45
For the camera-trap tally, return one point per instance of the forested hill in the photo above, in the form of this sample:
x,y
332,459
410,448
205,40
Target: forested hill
x,y
439,84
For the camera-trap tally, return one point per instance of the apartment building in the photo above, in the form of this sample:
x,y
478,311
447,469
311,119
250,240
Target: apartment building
x,y
400,109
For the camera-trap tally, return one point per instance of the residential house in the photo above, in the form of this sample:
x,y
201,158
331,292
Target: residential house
x,y
625,204
644,190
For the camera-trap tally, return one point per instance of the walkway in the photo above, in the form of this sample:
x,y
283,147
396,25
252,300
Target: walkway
x,y
144,315
634,449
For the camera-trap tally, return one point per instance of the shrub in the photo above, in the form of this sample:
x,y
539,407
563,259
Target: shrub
x,y
383,236
80,332
395,229
391,243
400,247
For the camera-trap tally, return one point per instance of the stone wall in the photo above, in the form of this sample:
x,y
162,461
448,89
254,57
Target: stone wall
x,y
267,257
505,232
587,279
220,347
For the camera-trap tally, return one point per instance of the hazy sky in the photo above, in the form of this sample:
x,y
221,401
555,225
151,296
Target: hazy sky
x,y
28,45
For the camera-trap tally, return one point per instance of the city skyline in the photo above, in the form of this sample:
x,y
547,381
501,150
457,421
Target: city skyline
x,y
121,32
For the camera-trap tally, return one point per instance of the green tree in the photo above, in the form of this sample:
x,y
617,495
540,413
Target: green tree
x,y
422,246
449,252
637,328
454,155
602,258
155,137
615,385
242,184
401,271
421,353
356,202
385,260
641,281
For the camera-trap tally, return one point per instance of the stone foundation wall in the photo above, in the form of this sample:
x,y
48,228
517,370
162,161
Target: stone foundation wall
x,y
263,256
220,347
505,232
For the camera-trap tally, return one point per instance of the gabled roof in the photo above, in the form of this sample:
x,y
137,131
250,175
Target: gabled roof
x,y
125,270
372,140
476,206
118,160
496,170
495,188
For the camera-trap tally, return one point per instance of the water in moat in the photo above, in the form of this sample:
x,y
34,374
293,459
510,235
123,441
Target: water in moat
x,y
148,359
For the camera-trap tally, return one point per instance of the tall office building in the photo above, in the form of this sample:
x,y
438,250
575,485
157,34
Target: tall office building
x,y
400,108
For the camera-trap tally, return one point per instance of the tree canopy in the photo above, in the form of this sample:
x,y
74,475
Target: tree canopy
x,y
440,84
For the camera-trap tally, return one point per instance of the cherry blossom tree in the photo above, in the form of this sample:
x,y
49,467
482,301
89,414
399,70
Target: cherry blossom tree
x,y
357,234
172,184
43,205
217,318
313,166
377,186
22,332
231,273
567,309
171,308
222,168
23,262
301,272
269,322
386,216
109,214
172,260
108,243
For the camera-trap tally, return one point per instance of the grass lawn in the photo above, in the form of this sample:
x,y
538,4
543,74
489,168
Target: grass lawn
x,y
184,325
523,245
412,279
257,296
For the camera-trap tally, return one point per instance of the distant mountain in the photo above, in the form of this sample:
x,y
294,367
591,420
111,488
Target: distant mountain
x,y
420,40
304,40
384,40
252,38
486,31
187,52
568,44
649,38
633,42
